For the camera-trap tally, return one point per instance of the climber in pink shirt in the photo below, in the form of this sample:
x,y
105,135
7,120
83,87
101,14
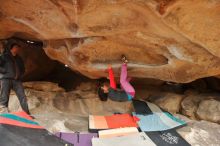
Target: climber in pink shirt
x,y
107,90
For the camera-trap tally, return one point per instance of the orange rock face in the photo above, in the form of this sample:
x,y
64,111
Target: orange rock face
x,y
172,40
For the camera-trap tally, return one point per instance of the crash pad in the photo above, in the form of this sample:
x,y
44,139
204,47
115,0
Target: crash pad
x,y
112,121
139,139
76,138
19,129
152,118
117,132
167,138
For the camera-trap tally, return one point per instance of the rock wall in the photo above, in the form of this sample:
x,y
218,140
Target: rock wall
x,y
68,111
171,40
49,97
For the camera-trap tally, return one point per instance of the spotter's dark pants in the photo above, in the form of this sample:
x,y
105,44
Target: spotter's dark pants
x,y
16,85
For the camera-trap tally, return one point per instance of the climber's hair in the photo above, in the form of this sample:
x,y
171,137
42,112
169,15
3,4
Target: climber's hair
x,y
102,95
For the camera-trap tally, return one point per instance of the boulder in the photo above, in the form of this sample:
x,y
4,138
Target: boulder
x,y
43,86
87,86
197,105
33,101
209,110
169,40
190,104
14,104
67,111
201,133
168,101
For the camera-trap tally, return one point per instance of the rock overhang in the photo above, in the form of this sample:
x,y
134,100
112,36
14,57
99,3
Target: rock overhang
x,y
166,40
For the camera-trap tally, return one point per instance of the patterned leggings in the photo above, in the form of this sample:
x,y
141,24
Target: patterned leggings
x,y
125,84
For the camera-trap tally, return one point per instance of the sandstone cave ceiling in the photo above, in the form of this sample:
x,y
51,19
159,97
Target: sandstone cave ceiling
x,y
170,40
